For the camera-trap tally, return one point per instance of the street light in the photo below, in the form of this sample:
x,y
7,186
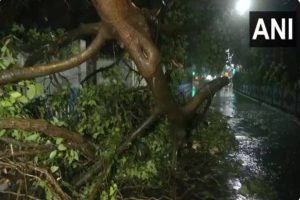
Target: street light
x,y
243,6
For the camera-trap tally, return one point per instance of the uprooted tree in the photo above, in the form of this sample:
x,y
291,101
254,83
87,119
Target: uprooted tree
x,y
121,20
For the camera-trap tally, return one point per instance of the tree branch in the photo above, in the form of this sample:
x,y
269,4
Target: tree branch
x,y
74,140
205,92
148,122
14,75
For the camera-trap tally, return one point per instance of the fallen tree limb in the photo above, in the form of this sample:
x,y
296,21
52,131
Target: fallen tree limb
x,y
72,139
13,75
205,92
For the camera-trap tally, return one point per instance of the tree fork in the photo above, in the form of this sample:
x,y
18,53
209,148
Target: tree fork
x,y
131,29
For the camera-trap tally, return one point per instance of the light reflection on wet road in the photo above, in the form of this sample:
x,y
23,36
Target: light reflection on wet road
x,y
254,125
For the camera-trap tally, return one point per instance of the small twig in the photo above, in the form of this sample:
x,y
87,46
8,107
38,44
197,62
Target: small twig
x,y
130,68
135,134
20,168
19,189
102,69
90,173
52,181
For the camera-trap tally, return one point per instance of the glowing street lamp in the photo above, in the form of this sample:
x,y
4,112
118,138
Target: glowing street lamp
x,y
243,6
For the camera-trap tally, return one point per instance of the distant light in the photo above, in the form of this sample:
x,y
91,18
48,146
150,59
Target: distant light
x,y
209,78
194,73
243,6
233,72
193,91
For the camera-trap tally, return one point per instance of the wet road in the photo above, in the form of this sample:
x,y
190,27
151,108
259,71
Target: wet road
x,y
269,148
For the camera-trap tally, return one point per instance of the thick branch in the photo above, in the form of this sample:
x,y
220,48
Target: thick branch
x,y
14,75
205,92
73,139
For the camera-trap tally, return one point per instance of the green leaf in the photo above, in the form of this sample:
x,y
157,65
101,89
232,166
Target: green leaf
x,y
32,137
2,132
23,99
31,91
104,195
4,49
59,140
54,169
16,134
39,89
2,65
6,62
15,95
73,156
22,83
62,147
53,154
6,104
